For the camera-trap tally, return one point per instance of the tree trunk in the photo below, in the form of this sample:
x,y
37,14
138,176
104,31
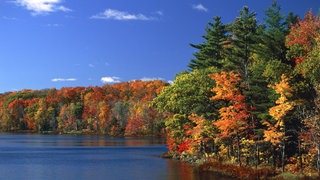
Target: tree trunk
x,y
238,148
256,155
283,156
300,155
273,157
318,158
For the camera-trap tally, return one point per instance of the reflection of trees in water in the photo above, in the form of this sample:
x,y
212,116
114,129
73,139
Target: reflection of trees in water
x,y
185,171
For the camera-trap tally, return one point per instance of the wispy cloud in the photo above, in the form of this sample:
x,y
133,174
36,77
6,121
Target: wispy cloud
x,y
151,79
112,79
160,13
53,25
63,79
40,7
120,15
158,78
9,18
200,7
91,65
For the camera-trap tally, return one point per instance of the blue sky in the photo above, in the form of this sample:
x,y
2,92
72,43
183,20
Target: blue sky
x,y
68,43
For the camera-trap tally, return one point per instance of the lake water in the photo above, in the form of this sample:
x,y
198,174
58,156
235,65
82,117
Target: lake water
x,y
26,156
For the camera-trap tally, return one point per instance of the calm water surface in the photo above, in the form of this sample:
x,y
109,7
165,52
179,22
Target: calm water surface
x,y
89,157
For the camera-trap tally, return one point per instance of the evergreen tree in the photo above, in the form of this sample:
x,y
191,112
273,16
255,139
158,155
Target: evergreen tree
x,y
244,31
210,53
273,38
290,20
243,59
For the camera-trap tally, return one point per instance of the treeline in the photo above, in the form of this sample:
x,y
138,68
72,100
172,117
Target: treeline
x,y
251,96
116,110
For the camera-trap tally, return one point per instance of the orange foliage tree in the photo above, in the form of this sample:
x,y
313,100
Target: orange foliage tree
x,y
199,134
87,110
233,118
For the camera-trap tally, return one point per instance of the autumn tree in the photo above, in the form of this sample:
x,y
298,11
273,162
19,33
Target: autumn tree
x,y
31,107
310,115
201,135
309,68
104,117
41,116
16,114
302,37
176,127
310,134
189,93
90,112
233,118
276,133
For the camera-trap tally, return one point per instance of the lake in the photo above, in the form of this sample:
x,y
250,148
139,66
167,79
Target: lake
x,y
25,156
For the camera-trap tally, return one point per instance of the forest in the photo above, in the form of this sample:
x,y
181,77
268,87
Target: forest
x,y
250,98
122,109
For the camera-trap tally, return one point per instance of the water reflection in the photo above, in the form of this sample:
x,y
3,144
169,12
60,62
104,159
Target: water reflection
x,y
184,171
89,157
70,140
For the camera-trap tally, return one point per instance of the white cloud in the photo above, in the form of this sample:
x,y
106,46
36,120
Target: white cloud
x,y
91,65
200,7
63,79
42,6
170,82
120,15
151,79
112,79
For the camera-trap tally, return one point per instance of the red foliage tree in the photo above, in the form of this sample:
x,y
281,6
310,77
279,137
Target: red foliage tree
x,y
302,36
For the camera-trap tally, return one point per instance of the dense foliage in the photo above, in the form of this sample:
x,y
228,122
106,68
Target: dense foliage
x,y
252,94
118,109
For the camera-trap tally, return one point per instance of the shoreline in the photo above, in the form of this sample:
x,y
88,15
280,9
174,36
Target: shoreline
x,y
234,171
77,133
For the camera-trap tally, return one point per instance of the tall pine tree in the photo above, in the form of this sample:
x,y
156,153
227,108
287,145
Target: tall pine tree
x,y
211,52
274,35
244,42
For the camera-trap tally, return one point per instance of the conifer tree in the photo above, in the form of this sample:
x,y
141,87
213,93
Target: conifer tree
x,y
211,52
244,42
274,35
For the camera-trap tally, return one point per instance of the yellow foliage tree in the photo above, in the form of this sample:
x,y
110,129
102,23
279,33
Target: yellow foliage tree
x,y
275,134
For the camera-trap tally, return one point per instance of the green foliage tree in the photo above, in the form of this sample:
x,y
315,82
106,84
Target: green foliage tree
x,y
121,113
189,93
